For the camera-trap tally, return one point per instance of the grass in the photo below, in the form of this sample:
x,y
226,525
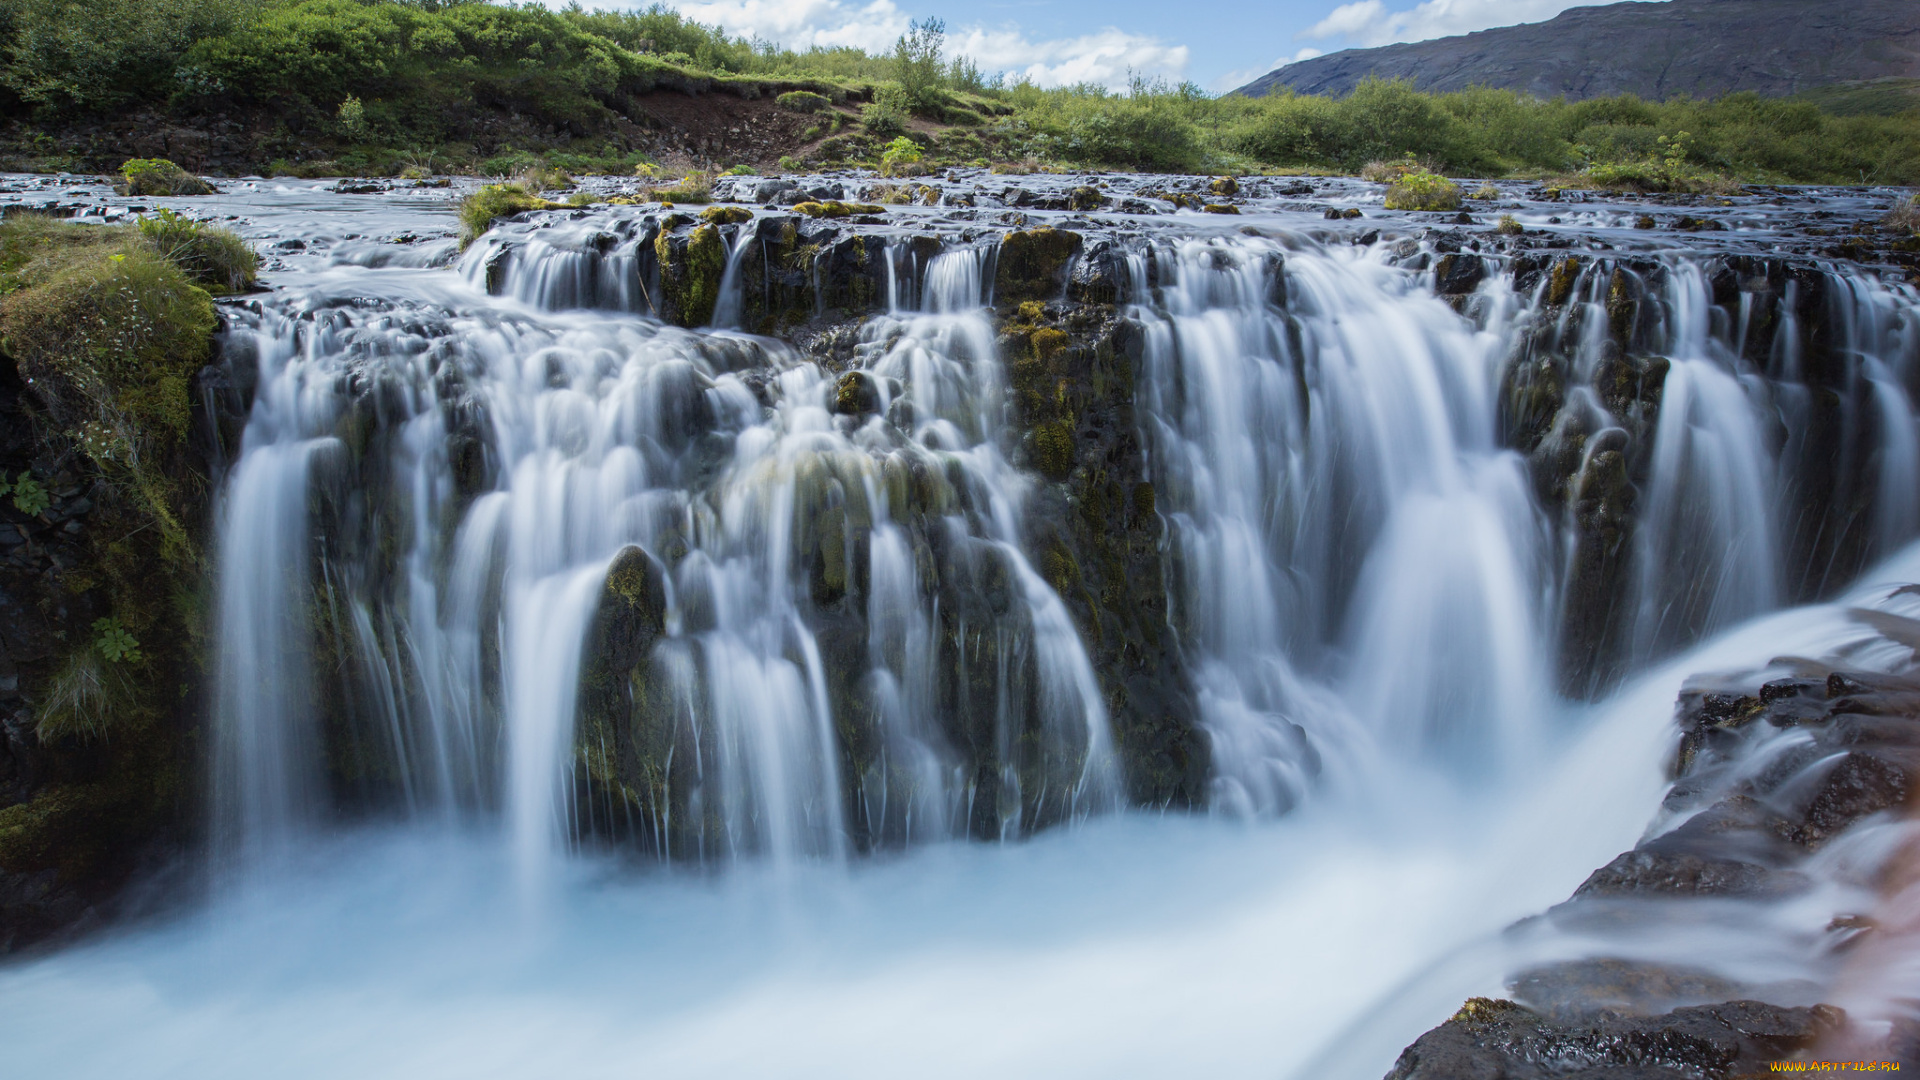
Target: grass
x,y
217,259
481,209
1905,214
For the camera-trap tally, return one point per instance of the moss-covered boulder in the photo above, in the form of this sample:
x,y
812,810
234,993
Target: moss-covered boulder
x,y
691,266
159,177
1033,264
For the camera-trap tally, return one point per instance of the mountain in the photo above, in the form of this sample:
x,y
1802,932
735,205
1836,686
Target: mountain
x,y
1656,50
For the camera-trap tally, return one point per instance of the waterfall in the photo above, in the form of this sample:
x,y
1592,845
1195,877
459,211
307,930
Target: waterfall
x,y
1399,521
486,468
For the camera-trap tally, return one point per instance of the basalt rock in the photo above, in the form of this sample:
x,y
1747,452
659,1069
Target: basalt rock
x,y
1501,1040
1095,533
1032,265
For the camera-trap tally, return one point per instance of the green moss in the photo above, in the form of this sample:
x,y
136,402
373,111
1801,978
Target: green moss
x,y
1032,264
481,209
1048,343
1053,449
691,272
833,209
1560,283
158,176
1220,208
726,215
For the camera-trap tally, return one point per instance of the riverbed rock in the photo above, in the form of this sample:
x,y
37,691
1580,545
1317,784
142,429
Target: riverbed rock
x,y
1501,1040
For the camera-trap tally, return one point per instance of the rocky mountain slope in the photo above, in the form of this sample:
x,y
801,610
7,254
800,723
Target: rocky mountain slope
x,y
1656,50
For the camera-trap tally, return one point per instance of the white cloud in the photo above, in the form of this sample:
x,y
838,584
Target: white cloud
x,y
1368,22
1105,56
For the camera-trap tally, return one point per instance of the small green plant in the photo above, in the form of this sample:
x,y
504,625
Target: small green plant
x,y
115,642
789,163
29,496
901,157
352,118
1423,190
159,177
740,170
1507,226
803,101
1485,192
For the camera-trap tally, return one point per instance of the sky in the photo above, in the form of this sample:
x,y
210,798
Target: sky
x,y
1219,44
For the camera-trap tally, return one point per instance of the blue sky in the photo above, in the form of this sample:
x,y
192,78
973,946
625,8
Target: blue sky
x,y
1219,44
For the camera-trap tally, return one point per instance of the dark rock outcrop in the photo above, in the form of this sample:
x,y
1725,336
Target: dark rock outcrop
x,y
1501,1040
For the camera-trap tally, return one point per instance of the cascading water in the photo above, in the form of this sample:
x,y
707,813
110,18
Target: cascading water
x,y
516,573
474,550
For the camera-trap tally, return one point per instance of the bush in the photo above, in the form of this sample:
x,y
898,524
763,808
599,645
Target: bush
x,y
803,101
481,209
159,177
888,112
1423,190
217,259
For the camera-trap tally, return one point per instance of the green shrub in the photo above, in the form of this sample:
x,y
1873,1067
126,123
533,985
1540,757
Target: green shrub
x,y
803,101
1423,190
1508,226
481,209
160,177
887,113
217,259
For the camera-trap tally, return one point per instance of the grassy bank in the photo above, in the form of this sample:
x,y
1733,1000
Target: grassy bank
x,y
384,86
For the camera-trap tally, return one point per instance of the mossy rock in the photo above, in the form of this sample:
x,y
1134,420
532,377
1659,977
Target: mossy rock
x,y
835,209
481,209
1561,280
1053,449
726,215
1422,190
855,394
1033,264
1221,208
1224,185
1086,198
690,273
152,177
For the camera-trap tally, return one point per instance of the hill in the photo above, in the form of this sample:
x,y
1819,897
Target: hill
x,y
1699,48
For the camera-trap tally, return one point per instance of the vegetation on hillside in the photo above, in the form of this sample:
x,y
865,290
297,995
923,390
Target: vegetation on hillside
x,y
388,85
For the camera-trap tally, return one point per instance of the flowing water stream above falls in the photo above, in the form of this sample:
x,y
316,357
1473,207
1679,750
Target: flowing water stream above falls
x,y
625,624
